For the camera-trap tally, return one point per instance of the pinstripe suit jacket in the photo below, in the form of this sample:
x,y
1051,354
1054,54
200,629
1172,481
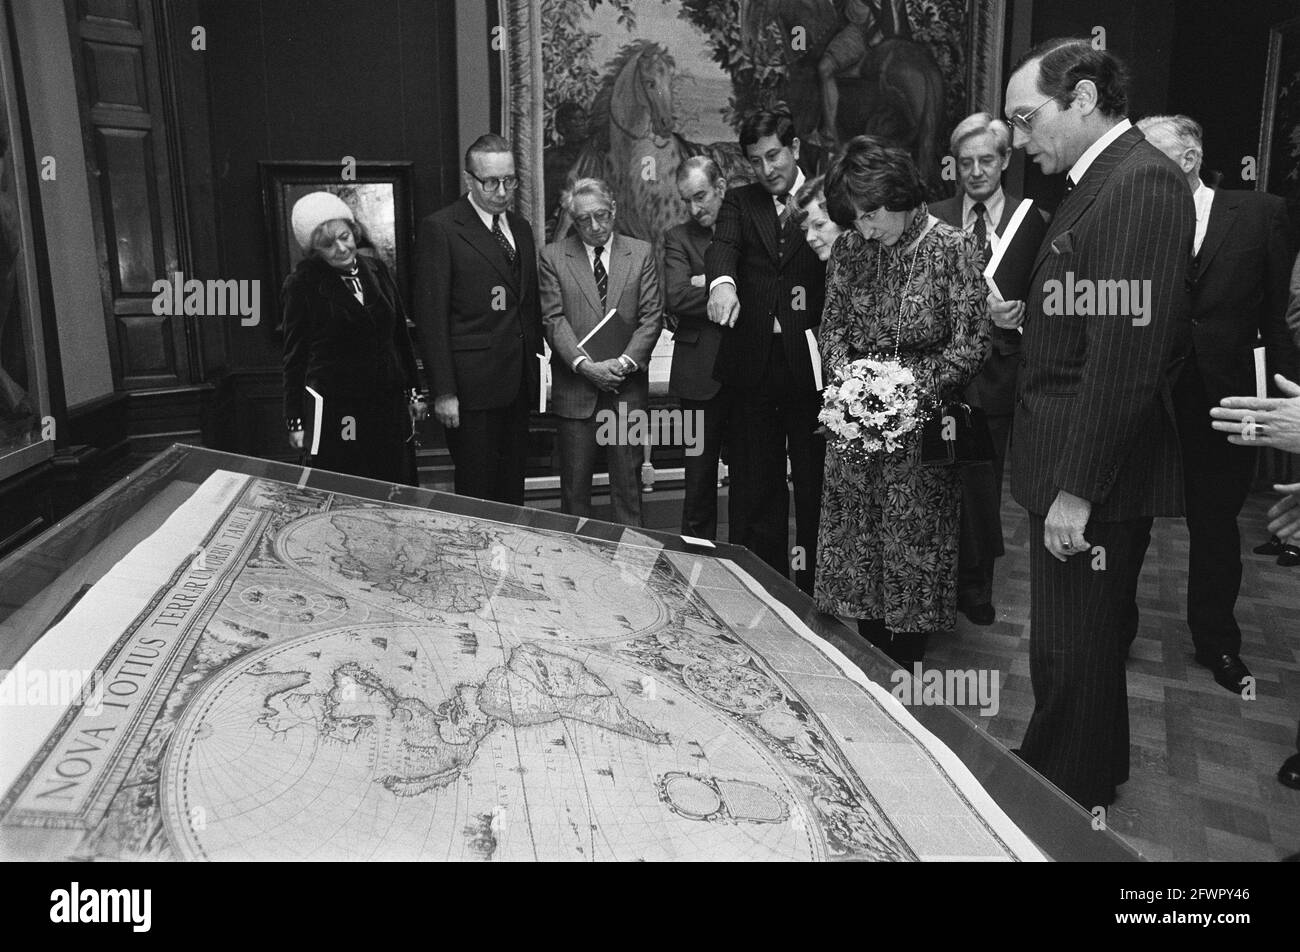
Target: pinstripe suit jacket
x,y
571,308
1094,413
773,280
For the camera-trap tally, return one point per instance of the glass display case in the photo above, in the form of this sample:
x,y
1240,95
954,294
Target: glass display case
x,y
255,633
26,436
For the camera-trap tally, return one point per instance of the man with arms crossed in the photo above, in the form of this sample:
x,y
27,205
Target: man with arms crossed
x,y
696,338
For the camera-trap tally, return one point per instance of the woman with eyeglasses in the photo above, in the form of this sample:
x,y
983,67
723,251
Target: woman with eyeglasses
x,y
349,368
899,282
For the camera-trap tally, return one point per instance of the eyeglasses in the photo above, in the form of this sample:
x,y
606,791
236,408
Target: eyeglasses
x,y
603,217
510,182
1021,120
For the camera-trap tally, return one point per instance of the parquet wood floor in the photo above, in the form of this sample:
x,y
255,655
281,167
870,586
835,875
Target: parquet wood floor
x,y
1203,764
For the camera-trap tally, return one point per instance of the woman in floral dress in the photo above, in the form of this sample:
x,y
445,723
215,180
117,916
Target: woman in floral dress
x,y
887,546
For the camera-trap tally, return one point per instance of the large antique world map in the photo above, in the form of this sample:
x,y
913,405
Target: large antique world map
x,y
292,674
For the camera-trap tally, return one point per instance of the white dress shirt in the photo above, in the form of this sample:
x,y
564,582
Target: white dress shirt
x,y
776,203
1080,168
993,206
604,256
1204,198
486,219
608,249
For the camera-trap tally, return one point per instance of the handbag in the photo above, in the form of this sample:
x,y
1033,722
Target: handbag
x,y
957,435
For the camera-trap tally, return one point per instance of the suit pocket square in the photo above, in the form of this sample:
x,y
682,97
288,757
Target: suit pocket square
x,y
1063,244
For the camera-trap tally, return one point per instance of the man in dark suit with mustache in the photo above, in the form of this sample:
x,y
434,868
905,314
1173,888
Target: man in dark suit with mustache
x,y
766,288
1239,293
480,320
1095,452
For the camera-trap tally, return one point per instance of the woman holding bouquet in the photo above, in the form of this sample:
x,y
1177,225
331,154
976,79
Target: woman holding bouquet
x,y
902,288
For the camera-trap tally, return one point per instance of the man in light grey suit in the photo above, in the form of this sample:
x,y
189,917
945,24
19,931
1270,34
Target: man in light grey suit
x,y
580,279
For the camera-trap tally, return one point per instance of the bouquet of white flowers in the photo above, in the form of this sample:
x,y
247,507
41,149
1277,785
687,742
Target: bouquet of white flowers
x,y
871,405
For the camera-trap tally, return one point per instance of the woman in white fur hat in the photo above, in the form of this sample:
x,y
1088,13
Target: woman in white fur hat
x,y
349,367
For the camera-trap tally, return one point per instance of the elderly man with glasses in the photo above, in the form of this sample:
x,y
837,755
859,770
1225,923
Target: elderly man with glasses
x,y
599,390
478,312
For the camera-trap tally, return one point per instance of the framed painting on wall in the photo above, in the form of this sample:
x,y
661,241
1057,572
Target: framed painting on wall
x,y
1279,136
379,194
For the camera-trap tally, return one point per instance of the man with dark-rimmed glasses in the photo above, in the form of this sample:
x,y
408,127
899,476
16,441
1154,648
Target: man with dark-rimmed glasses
x,y
479,316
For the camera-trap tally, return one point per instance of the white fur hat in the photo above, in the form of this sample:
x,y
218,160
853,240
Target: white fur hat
x,y
313,210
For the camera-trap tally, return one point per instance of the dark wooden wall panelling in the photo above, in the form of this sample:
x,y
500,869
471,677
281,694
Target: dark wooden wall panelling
x,y
123,118
291,79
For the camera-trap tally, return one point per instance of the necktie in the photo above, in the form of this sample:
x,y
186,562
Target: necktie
x,y
602,278
353,281
783,219
981,229
502,240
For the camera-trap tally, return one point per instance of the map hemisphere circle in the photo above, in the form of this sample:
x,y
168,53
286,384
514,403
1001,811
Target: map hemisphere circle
x,y
428,565
366,759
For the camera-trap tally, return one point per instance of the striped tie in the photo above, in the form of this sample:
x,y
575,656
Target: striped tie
x,y
502,240
787,211
602,278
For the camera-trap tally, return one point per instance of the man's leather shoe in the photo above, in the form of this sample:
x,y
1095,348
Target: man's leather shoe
x,y
1289,773
1227,669
1290,556
984,614
1272,547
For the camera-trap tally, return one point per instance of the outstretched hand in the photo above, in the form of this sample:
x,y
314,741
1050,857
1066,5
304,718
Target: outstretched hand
x,y
1262,421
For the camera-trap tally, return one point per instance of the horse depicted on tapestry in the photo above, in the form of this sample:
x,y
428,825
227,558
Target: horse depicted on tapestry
x,y
634,146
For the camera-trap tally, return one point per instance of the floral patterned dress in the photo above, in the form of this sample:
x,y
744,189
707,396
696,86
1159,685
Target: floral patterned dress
x,y
887,545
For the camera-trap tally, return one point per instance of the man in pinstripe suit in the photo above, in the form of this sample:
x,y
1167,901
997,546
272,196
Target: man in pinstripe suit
x,y
1094,448
766,289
